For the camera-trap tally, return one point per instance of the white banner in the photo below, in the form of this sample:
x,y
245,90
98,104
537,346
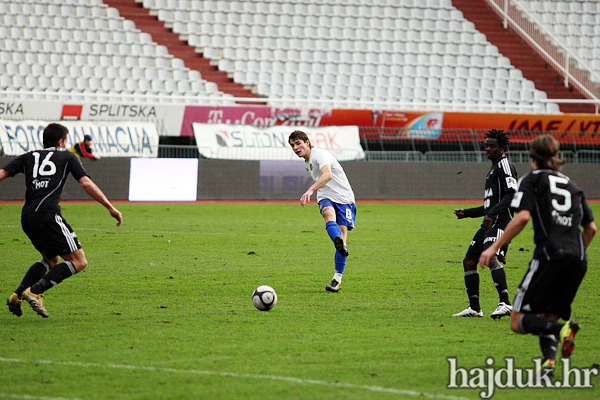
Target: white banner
x,y
163,179
109,139
245,142
169,116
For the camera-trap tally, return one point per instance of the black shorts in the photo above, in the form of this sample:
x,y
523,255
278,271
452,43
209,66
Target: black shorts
x,y
484,239
50,233
550,286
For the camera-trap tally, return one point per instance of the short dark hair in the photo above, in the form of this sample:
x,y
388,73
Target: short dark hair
x,y
298,135
544,150
53,133
500,136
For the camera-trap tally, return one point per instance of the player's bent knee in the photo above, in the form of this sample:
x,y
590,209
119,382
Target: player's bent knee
x,y
469,264
328,213
80,264
78,260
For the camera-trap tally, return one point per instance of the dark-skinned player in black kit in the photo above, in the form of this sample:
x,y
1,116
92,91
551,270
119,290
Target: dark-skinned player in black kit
x,y
500,185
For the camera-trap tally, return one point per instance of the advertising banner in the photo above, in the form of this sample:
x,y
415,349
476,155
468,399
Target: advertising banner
x,y
411,124
524,122
30,109
255,115
170,116
246,142
464,120
109,139
231,115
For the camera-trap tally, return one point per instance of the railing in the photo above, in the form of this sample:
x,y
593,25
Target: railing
x,y
574,70
590,156
518,156
381,139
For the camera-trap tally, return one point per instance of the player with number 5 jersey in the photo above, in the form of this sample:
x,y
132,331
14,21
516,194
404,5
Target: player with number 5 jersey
x,y
46,172
564,227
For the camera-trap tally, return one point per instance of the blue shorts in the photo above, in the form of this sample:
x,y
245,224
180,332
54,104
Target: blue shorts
x,y
345,214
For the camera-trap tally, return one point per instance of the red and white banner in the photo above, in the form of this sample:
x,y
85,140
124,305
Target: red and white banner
x,y
246,142
109,139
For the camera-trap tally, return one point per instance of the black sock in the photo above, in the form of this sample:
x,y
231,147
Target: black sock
x,y
548,345
536,325
472,286
499,277
56,275
34,274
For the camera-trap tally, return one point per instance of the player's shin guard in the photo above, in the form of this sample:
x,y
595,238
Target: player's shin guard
x,y
499,278
34,274
472,286
340,263
333,230
59,273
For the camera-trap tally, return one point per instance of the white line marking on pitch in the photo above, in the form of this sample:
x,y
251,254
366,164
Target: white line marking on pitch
x,y
28,397
232,375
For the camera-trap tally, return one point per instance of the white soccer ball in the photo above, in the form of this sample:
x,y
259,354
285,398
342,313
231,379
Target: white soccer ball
x,y
264,298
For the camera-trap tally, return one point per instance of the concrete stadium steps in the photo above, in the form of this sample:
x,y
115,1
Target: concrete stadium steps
x,y
134,11
521,55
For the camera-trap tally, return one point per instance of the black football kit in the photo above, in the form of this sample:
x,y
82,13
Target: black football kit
x,y
558,210
46,172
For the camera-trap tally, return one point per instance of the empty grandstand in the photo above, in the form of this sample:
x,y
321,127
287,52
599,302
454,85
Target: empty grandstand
x,y
389,54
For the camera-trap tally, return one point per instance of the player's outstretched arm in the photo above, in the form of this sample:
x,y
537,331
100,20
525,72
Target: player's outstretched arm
x,y
94,191
469,212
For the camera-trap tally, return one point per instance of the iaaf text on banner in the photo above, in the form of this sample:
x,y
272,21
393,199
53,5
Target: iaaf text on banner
x,y
110,139
245,142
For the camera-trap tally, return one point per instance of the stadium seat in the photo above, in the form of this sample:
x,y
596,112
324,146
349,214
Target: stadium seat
x,y
378,42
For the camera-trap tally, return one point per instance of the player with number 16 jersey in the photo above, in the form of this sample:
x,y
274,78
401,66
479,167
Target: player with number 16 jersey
x,y
46,172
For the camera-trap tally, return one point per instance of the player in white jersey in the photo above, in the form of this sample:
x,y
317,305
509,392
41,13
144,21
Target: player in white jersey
x,y
334,195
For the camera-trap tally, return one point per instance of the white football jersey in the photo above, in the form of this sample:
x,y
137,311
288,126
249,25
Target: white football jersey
x,y
338,188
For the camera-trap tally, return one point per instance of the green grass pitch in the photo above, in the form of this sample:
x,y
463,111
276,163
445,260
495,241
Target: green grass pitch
x,y
163,310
